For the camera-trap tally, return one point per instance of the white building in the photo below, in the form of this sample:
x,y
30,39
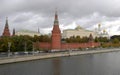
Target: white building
x,y
102,32
27,32
78,31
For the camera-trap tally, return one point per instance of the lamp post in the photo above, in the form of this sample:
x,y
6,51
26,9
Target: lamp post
x,y
33,49
9,45
25,47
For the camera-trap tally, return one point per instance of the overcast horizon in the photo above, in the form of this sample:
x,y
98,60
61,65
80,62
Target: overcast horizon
x,y
31,15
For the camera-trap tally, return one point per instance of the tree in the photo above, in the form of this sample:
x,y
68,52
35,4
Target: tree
x,y
115,41
4,43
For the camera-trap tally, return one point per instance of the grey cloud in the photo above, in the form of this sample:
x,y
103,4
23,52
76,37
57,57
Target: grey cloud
x,y
77,7
29,14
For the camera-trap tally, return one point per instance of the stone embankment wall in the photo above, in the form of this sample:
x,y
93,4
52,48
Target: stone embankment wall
x,y
51,55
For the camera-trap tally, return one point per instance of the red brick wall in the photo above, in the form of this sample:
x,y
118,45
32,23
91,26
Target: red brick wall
x,y
45,45
42,45
78,45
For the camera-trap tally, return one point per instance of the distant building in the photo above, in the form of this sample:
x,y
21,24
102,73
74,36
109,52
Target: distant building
x,y
6,31
27,32
78,31
102,33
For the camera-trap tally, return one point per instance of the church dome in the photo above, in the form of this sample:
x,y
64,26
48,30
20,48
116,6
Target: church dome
x,y
78,27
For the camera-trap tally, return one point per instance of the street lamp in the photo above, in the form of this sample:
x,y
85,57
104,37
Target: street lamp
x,y
25,47
33,49
9,45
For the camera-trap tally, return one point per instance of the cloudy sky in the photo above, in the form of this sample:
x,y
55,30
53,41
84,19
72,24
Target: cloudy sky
x,y
31,14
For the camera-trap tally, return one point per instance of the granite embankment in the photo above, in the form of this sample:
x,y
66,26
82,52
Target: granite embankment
x,y
52,55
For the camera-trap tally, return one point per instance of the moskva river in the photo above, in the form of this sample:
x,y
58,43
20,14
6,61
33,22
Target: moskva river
x,y
91,64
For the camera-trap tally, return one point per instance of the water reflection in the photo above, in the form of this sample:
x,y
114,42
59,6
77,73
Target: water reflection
x,y
56,66
90,64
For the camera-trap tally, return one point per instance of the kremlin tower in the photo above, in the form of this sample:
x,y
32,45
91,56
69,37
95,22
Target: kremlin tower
x,y
56,34
6,29
91,38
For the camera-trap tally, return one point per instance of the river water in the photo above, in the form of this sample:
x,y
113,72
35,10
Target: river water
x,y
91,64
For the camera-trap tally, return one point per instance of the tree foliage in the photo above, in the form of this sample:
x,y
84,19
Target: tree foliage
x,y
18,43
77,39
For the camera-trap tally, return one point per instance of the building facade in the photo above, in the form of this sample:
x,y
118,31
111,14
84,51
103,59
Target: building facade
x,y
78,31
27,32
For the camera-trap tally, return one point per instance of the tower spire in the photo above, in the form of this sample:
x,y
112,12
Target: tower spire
x,y
6,22
56,22
13,32
56,28
6,29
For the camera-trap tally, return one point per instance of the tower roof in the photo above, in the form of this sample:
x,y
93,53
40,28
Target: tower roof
x,y
6,22
6,29
13,32
56,28
56,22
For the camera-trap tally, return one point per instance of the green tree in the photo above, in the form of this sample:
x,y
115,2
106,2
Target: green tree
x,y
115,41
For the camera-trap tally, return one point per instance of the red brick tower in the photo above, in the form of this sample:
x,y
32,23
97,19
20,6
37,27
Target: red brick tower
x,y
56,34
91,38
6,29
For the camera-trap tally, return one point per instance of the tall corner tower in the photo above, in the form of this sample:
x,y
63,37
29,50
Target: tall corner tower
x,y
56,34
6,29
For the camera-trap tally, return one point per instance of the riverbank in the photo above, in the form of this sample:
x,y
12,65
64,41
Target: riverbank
x,y
52,55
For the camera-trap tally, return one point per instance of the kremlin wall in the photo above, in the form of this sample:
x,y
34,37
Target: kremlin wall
x,y
56,36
